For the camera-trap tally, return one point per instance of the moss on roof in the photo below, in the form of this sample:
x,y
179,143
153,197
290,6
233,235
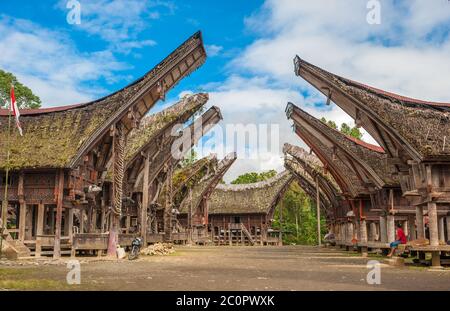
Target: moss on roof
x,y
311,164
340,170
305,181
186,178
53,139
373,159
425,126
257,198
207,183
152,126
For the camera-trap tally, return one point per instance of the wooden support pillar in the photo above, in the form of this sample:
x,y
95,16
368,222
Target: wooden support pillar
x,y
94,220
90,212
442,230
145,200
22,220
127,224
383,229
390,228
436,259
39,229
349,232
69,221
412,228
51,215
118,154
448,227
433,224
59,210
319,237
419,223
363,231
363,236
82,213
373,231
168,207
23,208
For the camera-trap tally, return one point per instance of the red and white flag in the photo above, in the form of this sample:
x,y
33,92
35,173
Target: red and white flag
x,y
15,110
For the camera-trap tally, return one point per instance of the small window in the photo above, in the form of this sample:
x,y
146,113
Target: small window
x,y
237,220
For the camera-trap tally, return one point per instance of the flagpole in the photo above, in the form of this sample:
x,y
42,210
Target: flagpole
x,y
5,199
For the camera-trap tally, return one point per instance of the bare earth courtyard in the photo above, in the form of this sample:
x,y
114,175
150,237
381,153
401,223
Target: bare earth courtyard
x,y
227,268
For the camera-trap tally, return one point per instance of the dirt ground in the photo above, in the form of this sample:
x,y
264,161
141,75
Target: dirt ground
x,y
227,268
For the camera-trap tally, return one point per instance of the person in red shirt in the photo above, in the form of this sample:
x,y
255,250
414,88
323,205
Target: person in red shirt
x,y
400,239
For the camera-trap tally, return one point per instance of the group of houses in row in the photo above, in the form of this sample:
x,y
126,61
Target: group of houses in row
x,y
86,178
368,190
90,177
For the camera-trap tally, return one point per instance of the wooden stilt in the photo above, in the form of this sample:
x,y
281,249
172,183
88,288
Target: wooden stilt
x,y
373,231
82,213
419,223
391,228
433,224
59,210
447,219
442,230
22,220
145,200
69,221
319,233
412,228
39,229
383,229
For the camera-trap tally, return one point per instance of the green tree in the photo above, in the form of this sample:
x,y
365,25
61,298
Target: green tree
x,y
299,221
24,96
345,128
351,131
330,123
253,177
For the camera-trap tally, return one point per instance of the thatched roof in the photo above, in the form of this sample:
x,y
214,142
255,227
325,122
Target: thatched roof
x,y
308,185
151,126
202,190
257,198
166,150
311,164
422,127
56,138
185,178
371,159
343,172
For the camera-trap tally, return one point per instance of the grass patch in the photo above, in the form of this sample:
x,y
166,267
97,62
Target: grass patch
x,y
31,284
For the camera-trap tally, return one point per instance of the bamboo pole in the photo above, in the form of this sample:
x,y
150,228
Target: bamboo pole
x,y
5,198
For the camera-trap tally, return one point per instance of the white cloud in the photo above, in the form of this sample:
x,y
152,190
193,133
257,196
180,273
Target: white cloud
x,y
407,54
119,22
50,65
213,50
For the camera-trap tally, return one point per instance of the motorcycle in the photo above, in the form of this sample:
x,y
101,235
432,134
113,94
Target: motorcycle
x,y
135,249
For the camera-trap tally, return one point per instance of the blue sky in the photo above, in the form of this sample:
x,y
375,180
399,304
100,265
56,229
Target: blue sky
x,y
166,23
251,44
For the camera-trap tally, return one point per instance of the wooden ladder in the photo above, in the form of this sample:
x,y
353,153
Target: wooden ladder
x,y
247,234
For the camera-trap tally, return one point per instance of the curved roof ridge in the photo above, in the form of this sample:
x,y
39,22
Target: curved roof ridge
x,y
31,112
261,184
390,95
